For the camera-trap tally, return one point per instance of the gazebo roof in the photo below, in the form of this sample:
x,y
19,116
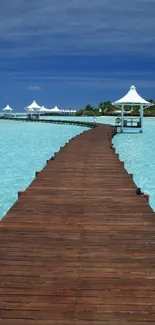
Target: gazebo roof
x,y
55,109
34,105
7,108
43,109
132,98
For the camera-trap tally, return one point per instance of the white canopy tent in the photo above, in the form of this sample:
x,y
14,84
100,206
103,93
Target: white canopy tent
x,y
7,109
132,98
72,111
55,109
34,107
44,110
66,111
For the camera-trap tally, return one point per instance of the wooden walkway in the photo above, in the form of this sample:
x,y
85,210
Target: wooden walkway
x,y
53,121
78,247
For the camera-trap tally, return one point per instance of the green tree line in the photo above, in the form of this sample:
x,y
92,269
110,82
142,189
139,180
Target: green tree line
x,y
106,108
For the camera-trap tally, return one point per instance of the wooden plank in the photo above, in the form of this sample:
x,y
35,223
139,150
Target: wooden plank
x,y
78,247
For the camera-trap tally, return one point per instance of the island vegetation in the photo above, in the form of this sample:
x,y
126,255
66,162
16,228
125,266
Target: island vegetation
x,y
107,109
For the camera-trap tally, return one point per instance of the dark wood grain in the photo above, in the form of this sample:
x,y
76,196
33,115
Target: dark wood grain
x,y
78,247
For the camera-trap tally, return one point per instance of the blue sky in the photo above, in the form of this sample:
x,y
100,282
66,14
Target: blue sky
x,y
73,52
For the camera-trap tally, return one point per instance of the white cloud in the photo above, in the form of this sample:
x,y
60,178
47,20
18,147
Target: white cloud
x,y
76,26
34,88
110,81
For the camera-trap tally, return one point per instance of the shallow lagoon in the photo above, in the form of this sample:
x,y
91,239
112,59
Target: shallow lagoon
x,y
138,153
25,147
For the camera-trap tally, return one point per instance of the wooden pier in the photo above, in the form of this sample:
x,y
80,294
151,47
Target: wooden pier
x,y
78,247
53,121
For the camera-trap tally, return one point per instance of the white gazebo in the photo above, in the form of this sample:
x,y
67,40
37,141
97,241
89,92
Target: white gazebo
x,y
55,110
132,98
7,109
34,107
44,110
72,111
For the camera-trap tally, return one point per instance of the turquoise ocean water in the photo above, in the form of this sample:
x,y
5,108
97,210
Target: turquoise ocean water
x,y
25,147
138,152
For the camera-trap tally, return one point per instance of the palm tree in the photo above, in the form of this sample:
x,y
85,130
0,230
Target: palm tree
x,y
89,107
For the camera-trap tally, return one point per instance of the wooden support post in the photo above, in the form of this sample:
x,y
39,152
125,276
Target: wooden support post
x,y
146,196
20,193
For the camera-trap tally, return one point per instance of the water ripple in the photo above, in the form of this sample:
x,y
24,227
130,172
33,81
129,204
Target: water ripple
x,y
24,149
